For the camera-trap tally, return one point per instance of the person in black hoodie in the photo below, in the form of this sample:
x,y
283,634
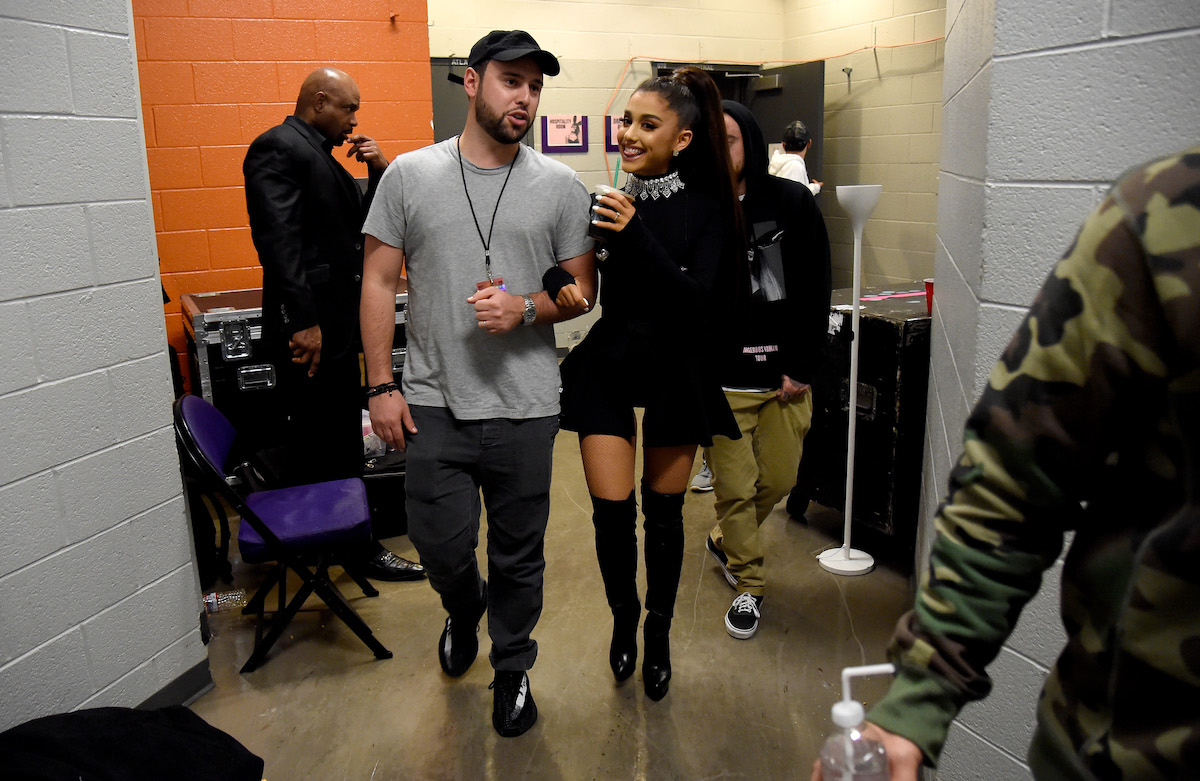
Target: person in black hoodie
x,y
765,374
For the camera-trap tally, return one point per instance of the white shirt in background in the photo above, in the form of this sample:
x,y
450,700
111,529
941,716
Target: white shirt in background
x,y
791,166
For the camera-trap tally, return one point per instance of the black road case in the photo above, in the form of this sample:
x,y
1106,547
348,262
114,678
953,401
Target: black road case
x,y
384,478
893,379
228,368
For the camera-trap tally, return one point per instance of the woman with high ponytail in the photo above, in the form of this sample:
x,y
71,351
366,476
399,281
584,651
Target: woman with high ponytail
x,y
671,264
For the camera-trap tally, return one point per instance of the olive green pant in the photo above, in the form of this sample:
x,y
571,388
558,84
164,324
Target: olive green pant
x,y
751,475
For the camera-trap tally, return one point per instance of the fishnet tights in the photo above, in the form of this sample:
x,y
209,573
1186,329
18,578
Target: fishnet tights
x,y
609,465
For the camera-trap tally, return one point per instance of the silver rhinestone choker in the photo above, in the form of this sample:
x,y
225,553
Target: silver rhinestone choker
x,y
658,187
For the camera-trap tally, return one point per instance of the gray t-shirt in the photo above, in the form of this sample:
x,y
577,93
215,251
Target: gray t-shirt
x,y
542,219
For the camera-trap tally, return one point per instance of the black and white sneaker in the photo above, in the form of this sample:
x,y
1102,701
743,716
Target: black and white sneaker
x,y
722,561
513,708
459,644
742,619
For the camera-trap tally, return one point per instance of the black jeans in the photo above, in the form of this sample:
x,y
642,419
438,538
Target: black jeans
x,y
449,462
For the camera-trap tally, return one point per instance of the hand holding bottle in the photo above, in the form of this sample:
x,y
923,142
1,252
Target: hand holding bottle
x,y
860,751
903,757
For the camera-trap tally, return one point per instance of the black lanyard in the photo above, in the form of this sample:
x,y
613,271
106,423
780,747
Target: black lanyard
x,y
487,243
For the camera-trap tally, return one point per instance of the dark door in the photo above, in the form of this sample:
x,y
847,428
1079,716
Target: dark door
x,y
449,100
790,93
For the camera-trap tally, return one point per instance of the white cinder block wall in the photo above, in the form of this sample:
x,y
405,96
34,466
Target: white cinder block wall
x,y
883,102
98,593
1044,105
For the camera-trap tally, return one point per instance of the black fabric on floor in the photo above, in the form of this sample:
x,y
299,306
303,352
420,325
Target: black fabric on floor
x,y
122,744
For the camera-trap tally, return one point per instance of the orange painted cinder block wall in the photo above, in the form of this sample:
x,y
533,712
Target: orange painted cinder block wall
x,y
216,73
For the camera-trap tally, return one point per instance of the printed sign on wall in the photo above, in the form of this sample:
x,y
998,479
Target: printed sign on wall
x,y
564,133
610,134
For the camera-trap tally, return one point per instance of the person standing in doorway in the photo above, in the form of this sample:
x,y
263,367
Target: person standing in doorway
x,y
790,163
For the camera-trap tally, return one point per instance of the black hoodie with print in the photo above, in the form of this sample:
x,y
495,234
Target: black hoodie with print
x,y
783,331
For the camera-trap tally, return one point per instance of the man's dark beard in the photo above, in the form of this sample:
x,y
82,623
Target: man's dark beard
x,y
493,124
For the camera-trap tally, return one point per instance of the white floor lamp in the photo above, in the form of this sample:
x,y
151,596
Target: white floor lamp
x,y
859,201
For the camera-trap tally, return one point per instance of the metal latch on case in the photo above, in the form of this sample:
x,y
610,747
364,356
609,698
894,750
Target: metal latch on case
x,y
235,339
259,376
398,356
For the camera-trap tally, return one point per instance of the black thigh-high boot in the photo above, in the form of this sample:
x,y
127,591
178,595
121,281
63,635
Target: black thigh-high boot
x,y
664,560
616,551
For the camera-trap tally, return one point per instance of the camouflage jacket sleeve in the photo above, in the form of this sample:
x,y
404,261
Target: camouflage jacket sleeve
x,y
1096,340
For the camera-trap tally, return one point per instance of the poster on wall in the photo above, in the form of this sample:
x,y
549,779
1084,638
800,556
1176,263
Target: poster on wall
x,y
610,134
564,133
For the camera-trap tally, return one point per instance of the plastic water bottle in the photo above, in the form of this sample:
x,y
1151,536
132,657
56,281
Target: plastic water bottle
x,y
847,755
222,601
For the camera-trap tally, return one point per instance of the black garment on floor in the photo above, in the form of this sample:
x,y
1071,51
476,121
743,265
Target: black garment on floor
x,y
122,744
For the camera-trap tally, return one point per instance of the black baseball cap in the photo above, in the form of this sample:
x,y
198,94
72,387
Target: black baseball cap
x,y
509,45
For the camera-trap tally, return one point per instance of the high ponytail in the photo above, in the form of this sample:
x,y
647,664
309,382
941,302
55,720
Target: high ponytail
x,y
694,98
704,164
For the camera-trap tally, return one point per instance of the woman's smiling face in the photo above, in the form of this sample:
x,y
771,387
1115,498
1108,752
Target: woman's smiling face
x,y
649,135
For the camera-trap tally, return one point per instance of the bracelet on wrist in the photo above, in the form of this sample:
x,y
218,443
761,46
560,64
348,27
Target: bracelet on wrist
x,y
379,390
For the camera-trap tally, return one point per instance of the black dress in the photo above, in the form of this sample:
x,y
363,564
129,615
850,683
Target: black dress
x,y
651,346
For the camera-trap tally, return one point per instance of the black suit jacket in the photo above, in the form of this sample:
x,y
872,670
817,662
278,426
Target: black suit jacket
x,y
306,216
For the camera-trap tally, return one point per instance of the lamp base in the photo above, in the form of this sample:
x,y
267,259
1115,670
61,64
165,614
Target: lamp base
x,y
846,561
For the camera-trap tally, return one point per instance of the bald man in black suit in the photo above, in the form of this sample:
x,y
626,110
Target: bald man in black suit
x,y
306,215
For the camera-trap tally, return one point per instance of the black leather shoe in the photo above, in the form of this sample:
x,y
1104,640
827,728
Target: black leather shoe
x,y
457,647
459,644
386,565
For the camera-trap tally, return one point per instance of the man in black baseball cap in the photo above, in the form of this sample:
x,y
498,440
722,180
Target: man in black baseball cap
x,y
509,45
478,220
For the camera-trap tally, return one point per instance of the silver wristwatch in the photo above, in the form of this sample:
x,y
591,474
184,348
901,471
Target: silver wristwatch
x,y
530,313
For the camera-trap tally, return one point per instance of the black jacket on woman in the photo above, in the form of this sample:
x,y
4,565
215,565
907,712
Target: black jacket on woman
x,y
652,346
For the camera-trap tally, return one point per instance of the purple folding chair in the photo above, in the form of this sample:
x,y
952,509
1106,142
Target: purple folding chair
x,y
289,526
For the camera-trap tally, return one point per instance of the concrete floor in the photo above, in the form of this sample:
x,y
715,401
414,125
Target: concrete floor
x,y
323,708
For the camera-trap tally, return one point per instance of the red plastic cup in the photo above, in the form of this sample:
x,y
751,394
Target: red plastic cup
x,y
929,296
